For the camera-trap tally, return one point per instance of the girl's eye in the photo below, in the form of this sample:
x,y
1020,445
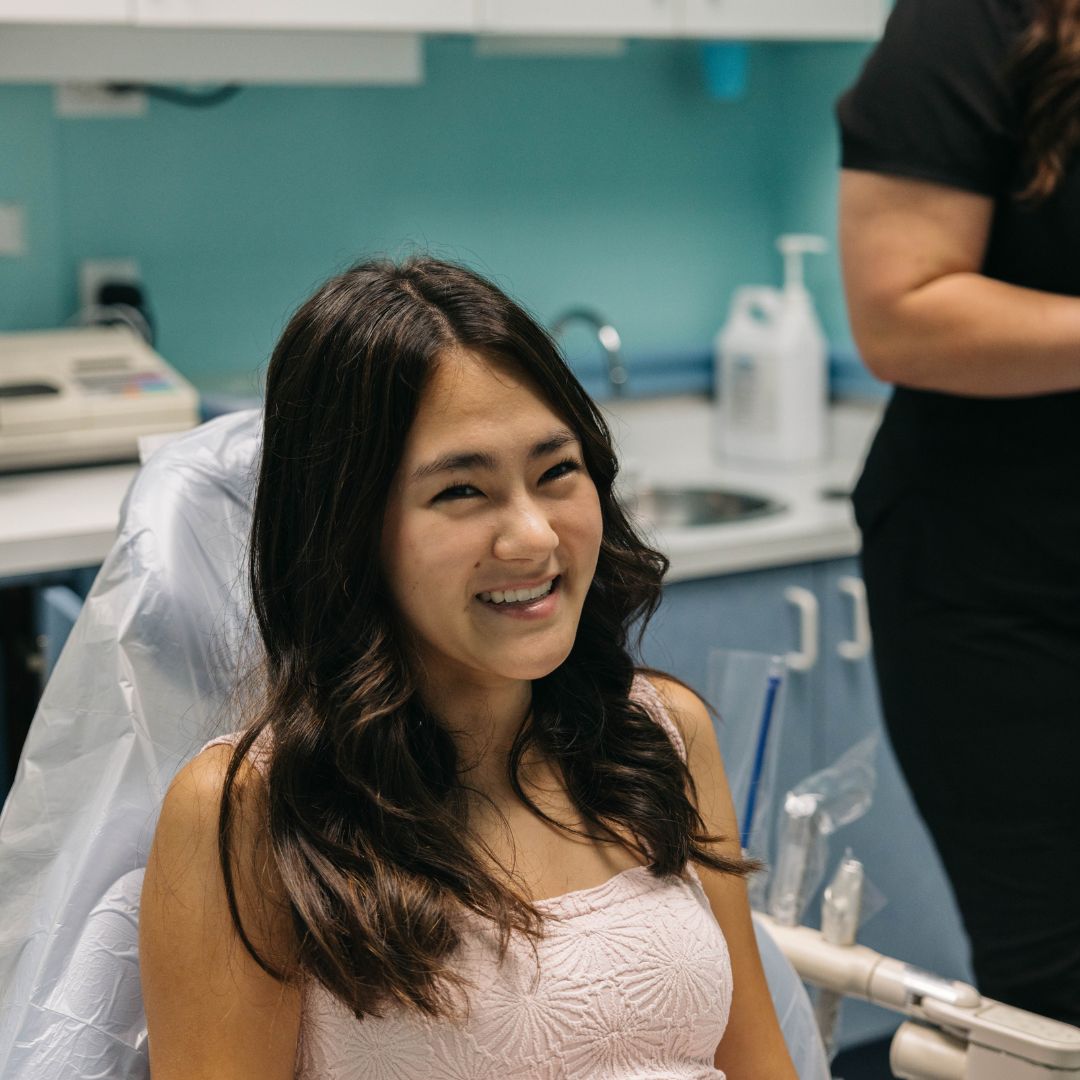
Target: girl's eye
x,y
563,468
457,491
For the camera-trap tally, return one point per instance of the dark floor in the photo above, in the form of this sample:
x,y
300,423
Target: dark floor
x,y
869,1061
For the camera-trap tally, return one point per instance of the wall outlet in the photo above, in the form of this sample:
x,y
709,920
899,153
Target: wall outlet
x,y
93,273
12,230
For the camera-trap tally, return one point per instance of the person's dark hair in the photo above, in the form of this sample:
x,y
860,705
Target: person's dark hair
x,y
1046,67
365,810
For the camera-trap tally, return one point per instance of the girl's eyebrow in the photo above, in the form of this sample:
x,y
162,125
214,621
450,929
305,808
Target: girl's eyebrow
x,y
479,459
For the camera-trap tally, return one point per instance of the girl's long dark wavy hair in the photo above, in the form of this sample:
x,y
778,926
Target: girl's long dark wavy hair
x,y
365,814
1046,66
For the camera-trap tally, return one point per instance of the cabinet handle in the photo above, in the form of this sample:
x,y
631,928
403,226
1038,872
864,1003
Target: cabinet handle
x,y
807,603
859,645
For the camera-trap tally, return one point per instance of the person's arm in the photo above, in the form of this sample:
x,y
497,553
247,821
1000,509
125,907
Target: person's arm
x,y
753,1044
922,314
212,1012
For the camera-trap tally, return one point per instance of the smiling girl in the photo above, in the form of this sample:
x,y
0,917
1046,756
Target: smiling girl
x,y
462,835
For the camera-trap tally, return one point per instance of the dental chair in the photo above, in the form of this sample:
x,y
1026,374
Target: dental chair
x,y
141,684
146,678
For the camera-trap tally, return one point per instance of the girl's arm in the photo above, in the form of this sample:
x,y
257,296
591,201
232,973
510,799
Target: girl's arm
x,y
923,315
212,1011
753,1044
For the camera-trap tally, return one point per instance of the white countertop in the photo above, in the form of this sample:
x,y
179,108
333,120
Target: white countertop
x,y
669,442
59,518
63,518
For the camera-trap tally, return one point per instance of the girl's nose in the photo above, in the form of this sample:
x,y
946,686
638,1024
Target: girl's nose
x,y
525,532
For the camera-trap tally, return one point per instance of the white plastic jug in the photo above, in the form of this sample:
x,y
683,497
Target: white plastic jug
x,y
771,360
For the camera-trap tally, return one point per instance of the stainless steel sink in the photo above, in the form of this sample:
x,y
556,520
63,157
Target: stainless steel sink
x,y
678,508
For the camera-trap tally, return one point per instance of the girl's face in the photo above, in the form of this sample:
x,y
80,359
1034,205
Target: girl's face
x,y
492,528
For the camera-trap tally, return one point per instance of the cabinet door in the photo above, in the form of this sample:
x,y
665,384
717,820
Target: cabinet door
x,y
744,612
920,923
829,19
614,17
66,11
316,14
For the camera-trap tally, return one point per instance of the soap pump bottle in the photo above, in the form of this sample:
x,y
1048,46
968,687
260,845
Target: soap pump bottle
x,y
771,366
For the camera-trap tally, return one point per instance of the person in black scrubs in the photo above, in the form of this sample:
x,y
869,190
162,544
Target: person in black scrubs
x,y
960,234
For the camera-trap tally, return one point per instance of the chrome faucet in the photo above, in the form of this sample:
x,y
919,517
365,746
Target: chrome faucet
x,y
608,337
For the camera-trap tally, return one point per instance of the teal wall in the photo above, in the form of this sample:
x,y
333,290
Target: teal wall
x,y
617,182
816,75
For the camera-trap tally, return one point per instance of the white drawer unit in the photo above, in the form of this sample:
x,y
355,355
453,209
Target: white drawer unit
x,y
834,20
420,15
66,11
613,18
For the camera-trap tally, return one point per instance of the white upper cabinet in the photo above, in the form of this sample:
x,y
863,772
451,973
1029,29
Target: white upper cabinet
x,y
419,15
614,18
801,19
66,11
732,19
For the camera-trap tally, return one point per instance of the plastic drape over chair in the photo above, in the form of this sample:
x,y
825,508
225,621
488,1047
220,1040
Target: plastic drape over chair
x,y
145,679
141,684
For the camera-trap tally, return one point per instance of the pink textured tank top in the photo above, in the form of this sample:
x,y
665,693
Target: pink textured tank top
x,y
634,981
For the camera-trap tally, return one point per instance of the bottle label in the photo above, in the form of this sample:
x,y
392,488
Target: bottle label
x,y
751,395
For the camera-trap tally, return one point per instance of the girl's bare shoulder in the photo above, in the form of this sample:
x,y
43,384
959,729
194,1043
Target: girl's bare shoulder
x,y
187,847
683,707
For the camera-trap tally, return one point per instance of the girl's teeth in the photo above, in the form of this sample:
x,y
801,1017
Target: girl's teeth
x,y
511,596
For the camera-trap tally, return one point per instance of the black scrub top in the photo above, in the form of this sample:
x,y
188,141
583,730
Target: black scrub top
x,y
935,101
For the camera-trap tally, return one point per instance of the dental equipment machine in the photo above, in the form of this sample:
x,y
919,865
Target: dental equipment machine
x,y
73,396
954,1033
